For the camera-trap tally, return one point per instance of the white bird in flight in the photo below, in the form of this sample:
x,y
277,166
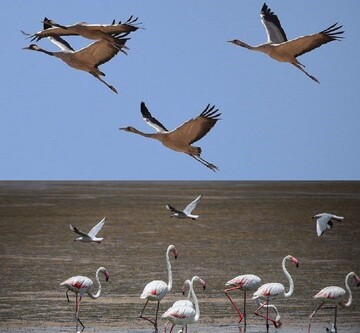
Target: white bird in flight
x,y
281,49
91,235
325,221
186,213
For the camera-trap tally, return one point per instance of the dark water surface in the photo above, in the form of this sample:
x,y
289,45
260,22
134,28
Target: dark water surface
x,y
244,227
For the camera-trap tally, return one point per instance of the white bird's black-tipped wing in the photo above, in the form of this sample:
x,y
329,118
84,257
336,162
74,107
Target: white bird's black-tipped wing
x,y
191,206
324,221
94,231
150,120
275,32
78,231
173,209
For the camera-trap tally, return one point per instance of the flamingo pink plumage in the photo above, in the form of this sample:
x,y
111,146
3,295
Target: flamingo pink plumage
x,y
335,295
183,314
80,285
157,289
185,302
273,290
246,282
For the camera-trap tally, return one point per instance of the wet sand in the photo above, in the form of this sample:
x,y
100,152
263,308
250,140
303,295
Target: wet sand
x,y
244,227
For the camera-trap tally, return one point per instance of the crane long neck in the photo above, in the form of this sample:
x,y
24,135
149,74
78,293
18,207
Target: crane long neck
x,y
196,302
149,135
291,282
348,303
97,295
168,266
46,52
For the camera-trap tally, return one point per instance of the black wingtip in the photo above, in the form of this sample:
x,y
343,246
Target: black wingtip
x,y
144,110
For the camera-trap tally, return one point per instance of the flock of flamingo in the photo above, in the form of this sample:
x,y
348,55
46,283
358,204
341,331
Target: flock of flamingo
x,y
109,40
187,311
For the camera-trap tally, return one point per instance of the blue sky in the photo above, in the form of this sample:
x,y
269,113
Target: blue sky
x,y
277,124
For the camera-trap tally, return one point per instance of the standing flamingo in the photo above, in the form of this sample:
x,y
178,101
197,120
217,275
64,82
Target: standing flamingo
x,y
335,295
186,302
273,290
184,314
80,285
246,282
157,289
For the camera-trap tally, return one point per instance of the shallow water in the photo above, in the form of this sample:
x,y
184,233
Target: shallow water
x,y
244,227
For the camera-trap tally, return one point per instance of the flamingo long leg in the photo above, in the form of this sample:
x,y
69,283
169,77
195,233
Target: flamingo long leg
x,y
76,305
245,309
154,322
141,314
156,316
233,303
310,317
335,319
165,326
83,327
172,328
267,317
67,296
265,303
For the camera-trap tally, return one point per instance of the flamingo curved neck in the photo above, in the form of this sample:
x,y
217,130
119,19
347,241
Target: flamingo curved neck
x,y
291,282
97,295
168,266
348,303
196,302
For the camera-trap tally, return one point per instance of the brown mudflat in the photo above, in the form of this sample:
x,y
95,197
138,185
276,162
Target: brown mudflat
x,y
244,227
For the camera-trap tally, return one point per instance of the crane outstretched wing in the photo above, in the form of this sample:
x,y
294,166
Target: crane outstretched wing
x,y
194,129
191,206
304,44
275,32
52,29
101,51
94,231
150,120
61,43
